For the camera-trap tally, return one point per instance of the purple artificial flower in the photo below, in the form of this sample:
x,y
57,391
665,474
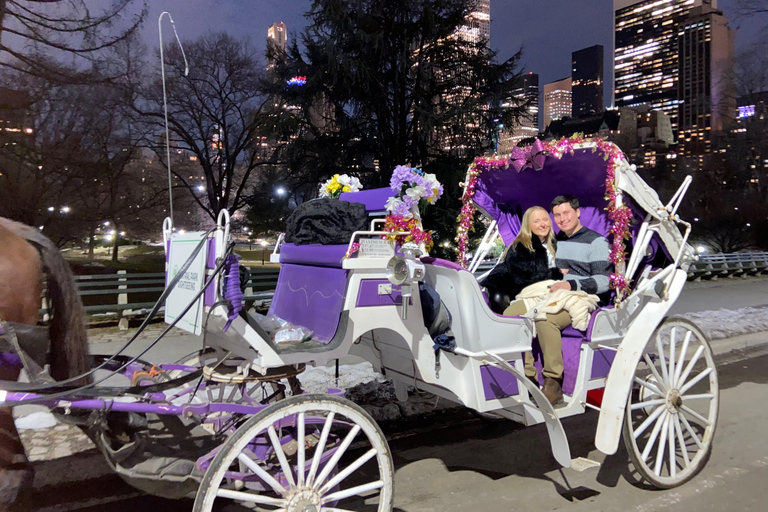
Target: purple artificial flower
x,y
402,209
400,175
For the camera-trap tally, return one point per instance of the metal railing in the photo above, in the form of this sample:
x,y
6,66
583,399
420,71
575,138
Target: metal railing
x,y
739,264
126,295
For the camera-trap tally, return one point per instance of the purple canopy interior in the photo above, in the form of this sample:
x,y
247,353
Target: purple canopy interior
x,y
505,194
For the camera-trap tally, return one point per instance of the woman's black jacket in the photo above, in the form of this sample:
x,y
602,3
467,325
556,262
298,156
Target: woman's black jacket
x,y
519,269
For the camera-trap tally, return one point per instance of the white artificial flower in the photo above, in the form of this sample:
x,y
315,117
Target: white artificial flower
x,y
417,192
354,184
344,180
324,189
431,180
392,202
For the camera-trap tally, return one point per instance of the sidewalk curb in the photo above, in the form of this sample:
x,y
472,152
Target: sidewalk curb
x,y
745,342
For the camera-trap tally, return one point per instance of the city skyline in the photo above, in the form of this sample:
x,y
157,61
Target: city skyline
x,y
522,22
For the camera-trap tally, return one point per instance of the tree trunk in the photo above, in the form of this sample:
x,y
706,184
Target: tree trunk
x,y
91,243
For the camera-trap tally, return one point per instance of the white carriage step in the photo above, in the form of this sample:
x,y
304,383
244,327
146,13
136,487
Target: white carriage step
x,y
581,464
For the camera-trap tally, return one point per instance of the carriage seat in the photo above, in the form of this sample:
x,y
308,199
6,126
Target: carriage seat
x,y
316,255
475,326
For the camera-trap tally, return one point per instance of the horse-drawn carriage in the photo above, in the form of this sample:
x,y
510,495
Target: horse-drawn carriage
x,y
231,422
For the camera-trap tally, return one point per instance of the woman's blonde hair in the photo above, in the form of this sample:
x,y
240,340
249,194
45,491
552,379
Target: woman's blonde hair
x,y
525,235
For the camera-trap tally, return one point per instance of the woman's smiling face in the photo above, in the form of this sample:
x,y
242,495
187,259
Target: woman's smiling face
x,y
540,223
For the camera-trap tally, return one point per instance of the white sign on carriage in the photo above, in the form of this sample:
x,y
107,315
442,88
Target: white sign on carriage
x,y
190,284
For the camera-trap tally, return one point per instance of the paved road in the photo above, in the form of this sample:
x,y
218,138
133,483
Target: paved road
x,y
501,466
722,294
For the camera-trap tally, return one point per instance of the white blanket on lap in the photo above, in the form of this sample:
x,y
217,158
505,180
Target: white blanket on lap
x,y
539,302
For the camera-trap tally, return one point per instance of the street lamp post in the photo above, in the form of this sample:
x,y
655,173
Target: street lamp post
x,y
263,250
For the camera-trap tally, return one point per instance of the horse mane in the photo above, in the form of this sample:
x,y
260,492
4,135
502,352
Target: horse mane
x,y
68,335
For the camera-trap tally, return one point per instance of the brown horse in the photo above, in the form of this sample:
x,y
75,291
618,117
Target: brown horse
x,y
26,259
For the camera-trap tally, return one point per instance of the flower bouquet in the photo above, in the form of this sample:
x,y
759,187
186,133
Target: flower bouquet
x,y
338,184
414,190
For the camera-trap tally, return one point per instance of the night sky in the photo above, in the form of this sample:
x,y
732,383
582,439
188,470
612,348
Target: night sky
x,y
547,31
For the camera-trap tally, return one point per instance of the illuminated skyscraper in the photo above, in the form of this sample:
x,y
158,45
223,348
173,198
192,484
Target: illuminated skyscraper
x,y
557,100
528,125
646,52
587,81
279,34
705,89
478,23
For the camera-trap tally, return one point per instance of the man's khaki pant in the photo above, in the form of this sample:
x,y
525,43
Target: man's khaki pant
x,y
550,340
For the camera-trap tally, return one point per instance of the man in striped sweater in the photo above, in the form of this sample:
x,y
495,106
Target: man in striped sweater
x,y
582,255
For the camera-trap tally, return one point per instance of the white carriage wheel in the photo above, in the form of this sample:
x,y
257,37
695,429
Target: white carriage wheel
x,y
671,419
333,424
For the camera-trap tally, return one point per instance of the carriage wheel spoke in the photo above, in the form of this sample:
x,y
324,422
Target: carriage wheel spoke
x,y
643,405
695,380
320,448
645,424
672,343
650,387
250,497
696,415
690,430
281,455
301,444
336,456
681,442
654,434
699,397
354,491
691,364
663,362
348,470
269,479
663,434
683,351
231,397
672,450
659,382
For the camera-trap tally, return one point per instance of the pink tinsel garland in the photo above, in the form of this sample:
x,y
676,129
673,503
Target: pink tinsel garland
x,y
620,216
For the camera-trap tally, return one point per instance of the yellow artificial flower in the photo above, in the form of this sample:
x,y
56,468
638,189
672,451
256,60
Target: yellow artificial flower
x,y
346,188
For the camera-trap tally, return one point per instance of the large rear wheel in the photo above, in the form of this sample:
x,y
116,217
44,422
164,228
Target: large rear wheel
x,y
304,454
671,414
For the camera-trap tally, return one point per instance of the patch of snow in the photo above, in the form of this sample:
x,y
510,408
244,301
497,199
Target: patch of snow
x,y
39,419
318,380
727,323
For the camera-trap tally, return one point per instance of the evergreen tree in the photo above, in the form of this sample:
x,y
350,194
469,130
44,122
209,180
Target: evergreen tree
x,y
390,83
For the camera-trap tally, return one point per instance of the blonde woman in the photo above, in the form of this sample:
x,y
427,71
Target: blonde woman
x,y
529,259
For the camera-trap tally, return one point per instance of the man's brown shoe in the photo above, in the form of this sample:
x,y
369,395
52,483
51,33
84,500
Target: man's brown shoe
x,y
553,390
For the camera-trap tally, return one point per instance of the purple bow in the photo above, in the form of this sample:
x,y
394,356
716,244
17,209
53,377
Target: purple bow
x,y
533,156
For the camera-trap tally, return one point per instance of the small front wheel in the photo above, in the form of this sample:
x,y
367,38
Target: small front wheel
x,y
671,420
304,454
